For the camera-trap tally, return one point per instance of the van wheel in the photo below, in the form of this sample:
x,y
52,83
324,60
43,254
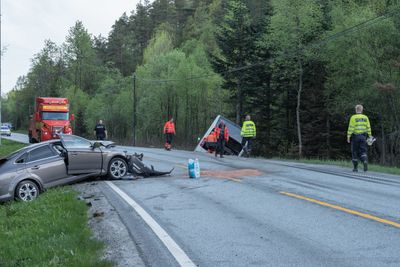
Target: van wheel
x,y
117,168
27,191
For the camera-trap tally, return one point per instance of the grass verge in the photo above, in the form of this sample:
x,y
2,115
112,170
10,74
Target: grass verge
x,y
347,164
50,231
8,146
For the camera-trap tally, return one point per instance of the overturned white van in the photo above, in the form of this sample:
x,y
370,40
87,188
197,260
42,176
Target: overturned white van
x,y
233,146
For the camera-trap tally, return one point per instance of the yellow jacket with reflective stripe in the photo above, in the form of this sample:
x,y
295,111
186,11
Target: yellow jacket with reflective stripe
x,y
359,124
248,129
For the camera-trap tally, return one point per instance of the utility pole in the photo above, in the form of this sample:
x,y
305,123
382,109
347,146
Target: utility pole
x,y
134,109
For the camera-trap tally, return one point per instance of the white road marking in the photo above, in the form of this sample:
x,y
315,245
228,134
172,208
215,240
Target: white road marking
x,y
180,255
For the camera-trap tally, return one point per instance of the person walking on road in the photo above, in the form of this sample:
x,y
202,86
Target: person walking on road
x,y
248,133
358,132
100,131
222,134
169,131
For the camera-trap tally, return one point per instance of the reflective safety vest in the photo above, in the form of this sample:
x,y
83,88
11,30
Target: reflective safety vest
x,y
248,129
217,132
211,138
359,124
169,127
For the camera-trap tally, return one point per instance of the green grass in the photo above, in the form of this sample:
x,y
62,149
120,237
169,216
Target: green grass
x,y
347,164
50,231
8,147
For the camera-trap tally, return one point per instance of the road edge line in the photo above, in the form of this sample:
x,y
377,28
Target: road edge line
x,y
177,252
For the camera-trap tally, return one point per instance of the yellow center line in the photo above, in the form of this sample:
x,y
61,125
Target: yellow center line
x,y
354,212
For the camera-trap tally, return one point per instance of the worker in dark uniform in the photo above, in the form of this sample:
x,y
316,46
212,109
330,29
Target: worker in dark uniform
x,y
358,132
248,133
100,131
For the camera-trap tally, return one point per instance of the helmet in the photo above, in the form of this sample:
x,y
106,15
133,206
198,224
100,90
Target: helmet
x,y
371,140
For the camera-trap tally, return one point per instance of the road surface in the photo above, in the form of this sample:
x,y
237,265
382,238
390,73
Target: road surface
x,y
256,212
22,138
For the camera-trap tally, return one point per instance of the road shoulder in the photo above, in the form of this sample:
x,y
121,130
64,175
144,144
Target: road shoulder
x,y
108,227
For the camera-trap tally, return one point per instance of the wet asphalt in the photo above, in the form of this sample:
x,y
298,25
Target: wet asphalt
x,y
250,221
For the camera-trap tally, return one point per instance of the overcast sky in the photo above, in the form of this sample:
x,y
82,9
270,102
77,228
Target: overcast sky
x,y
25,24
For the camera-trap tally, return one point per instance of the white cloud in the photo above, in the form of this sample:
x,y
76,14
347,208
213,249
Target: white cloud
x,y
26,24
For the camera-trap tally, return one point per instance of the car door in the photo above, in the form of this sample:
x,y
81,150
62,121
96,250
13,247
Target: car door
x,y
44,163
82,156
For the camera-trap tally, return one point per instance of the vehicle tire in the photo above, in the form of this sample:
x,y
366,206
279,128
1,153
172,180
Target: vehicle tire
x,y
117,168
27,190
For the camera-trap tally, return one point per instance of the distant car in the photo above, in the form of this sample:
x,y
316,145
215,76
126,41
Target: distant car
x,y
29,171
5,130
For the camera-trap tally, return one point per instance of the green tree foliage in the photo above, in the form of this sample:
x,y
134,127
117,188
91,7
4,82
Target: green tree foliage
x,y
298,67
191,103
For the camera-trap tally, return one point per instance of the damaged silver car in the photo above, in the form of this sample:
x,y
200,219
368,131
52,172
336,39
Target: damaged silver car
x,y
29,171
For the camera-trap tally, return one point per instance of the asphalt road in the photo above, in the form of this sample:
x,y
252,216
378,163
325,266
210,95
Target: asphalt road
x,y
255,212
22,138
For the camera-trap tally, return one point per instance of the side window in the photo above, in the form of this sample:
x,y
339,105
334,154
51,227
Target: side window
x,y
41,153
22,159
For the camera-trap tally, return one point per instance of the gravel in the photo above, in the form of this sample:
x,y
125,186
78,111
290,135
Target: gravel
x,y
107,226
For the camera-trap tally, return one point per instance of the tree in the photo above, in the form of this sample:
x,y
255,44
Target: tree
x,y
294,25
236,44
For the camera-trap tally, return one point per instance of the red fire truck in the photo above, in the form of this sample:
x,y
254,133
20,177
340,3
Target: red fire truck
x,y
51,117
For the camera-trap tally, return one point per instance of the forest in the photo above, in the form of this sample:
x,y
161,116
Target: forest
x,y
297,67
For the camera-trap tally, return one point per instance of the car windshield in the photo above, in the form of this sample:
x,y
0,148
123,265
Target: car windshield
x,y
4,127
72,141
55,116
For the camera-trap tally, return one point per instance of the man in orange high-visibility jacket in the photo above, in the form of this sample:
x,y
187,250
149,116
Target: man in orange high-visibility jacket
x,y
169,131
211,142
222,135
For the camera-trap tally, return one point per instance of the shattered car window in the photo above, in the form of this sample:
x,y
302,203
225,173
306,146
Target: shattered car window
x,y
71,141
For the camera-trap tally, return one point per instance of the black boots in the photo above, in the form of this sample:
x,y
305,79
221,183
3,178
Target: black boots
x,y
365,166
355,164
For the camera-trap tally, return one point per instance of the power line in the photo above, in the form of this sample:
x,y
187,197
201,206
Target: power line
x,y
287,53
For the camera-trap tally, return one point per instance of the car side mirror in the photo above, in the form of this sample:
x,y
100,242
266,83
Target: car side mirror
x,y
72,117
96,145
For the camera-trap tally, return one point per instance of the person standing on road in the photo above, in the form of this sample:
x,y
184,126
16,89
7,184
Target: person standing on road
x,y
358,132
169,131
248,133
222,134
100,131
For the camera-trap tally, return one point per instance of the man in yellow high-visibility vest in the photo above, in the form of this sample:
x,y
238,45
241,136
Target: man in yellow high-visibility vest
x,y
248,133
358,132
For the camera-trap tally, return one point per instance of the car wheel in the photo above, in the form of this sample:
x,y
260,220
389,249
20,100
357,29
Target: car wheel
x,y
27,191
117,168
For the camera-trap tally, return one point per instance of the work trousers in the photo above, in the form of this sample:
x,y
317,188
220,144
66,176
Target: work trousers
x,y
249,141
359,147
220,147
100,136
169,137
